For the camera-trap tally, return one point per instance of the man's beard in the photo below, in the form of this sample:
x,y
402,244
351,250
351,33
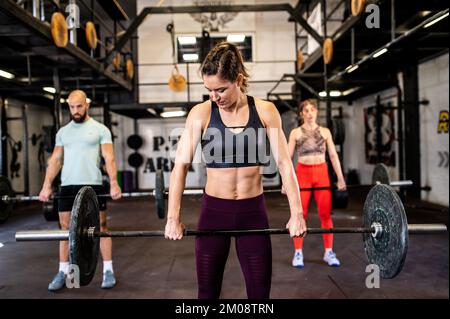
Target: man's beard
x,y
79,119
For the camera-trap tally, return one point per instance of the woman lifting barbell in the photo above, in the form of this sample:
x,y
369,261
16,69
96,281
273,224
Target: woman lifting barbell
x,y
233,197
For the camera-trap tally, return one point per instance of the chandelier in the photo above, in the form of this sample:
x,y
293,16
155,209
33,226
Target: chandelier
x,y
213,21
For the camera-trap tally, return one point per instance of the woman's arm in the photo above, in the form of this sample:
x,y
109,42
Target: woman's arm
x,y
291,148
292,143
279,147
334,158
185,152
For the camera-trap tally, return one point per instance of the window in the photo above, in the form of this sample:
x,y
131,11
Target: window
x,y
194,49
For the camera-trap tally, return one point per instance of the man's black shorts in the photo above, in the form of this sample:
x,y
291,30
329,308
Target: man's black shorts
x,y
65,204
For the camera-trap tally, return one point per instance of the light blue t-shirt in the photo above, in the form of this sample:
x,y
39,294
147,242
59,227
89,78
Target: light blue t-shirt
x,y
81,143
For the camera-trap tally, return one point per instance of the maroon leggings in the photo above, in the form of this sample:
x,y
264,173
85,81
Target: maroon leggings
x,y
254,251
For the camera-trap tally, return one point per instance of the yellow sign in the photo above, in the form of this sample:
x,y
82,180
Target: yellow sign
x,y
443,122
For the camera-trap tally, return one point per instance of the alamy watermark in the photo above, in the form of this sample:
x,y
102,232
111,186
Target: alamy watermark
x,y
73,277
373,16
73,16
373,279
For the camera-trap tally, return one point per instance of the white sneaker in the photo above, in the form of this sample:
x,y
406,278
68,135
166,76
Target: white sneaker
x,y
297,261
330,258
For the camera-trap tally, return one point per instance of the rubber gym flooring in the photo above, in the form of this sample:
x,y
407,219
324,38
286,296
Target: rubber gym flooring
x,y
156,268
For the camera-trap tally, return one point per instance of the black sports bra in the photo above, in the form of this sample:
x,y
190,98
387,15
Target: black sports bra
x,y
221,148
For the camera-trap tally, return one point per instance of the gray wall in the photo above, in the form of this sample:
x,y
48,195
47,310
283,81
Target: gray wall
x,y
433,86
36,118
273,40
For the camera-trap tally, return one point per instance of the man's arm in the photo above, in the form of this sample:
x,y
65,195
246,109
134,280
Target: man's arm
x,y
54,165
110,164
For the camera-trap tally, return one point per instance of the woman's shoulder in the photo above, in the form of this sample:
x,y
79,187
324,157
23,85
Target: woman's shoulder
x,y
266,110
324,128
264,105
200,110
325,131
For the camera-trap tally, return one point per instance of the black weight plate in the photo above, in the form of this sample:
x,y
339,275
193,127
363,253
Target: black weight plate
x,y
50,211
338,131
5,206
340,199
159,194
384,206
83,250
380,174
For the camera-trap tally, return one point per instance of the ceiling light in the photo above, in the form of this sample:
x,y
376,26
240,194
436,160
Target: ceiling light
x,y
6,74
190,57
152,111
187,40
236,38
332,93
179,113
335,93
436,20
88,100
352,68
49,89
349,91
381,52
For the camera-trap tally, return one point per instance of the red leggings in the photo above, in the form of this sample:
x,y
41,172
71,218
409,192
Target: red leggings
x,y
315,175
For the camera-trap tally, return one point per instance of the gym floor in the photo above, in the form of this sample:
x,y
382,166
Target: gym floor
x,y
161,269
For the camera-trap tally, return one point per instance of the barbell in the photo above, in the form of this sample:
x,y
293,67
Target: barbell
x,y
380,174
7,197
385,232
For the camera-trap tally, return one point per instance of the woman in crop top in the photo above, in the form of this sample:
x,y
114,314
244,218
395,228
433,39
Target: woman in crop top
x,y
311,141
232,128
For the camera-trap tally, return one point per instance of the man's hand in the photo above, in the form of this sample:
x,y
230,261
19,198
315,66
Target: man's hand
x,y
45,194
115,191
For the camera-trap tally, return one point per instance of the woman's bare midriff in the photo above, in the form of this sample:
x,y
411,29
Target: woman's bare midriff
x,y
234,183
312,159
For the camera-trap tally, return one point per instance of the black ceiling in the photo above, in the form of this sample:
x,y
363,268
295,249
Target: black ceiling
x,y
377,74
34,59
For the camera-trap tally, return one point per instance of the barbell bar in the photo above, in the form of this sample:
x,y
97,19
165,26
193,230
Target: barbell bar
x,y
7,199
63,235
385,232
380,174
